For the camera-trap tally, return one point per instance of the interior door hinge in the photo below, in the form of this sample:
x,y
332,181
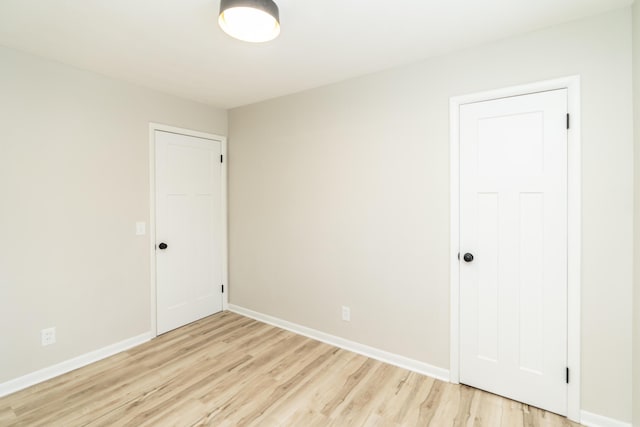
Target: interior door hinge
x,y
221,158
567,375
568,121
222,288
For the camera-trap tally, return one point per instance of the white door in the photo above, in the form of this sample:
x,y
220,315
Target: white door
x,y
513,221
188,229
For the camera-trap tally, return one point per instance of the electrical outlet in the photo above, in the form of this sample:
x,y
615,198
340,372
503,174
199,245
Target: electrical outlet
x,y
346,314
48,336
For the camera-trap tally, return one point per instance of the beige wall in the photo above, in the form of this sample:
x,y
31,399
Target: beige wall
x,y
340,196
636,292
74,179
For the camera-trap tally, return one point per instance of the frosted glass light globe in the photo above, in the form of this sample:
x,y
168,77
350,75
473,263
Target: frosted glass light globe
x,y
249,24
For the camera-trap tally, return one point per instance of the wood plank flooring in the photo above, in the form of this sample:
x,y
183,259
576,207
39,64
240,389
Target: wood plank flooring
x,y
229,370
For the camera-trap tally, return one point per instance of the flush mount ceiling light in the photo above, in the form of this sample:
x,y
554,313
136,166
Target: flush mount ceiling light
x,y
250,20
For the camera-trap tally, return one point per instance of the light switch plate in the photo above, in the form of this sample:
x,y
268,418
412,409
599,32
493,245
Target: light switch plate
x,y
141,228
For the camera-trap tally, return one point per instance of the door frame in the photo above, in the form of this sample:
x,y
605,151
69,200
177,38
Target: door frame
x,y
574,228
153,127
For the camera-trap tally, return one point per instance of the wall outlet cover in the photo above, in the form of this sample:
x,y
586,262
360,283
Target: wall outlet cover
x,y
48,336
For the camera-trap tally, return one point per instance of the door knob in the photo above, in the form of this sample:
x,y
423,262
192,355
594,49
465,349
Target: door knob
x,y
468,257
163,246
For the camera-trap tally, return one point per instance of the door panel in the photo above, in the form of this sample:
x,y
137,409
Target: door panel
x,y
488,276
188,220
513,218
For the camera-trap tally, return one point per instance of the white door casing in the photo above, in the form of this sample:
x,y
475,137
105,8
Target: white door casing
x,y
189,220
513,213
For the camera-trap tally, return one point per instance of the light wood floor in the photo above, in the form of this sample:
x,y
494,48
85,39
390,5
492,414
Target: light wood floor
x,y
228,370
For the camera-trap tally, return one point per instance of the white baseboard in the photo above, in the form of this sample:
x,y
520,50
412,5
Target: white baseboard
x,y
36,377
365,350
594,420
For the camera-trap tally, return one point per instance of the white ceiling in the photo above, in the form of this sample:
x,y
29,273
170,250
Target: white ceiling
x,y
176,46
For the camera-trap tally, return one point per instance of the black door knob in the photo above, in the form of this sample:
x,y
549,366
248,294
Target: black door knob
x,y
163,246
468,257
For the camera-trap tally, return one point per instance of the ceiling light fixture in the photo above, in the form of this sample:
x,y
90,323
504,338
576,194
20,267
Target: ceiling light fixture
x,y
250,20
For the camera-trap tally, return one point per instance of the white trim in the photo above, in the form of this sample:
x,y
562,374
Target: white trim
x,y
152,229
224,218
187,132
454,262
594,420
365,350
45,374
574,248
152,212
572,84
